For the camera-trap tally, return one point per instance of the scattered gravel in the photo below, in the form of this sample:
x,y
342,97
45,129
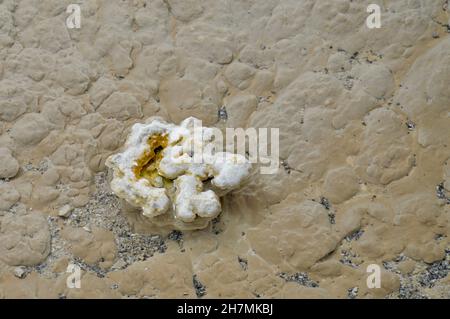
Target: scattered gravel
x,y
91,268
104,210
42,166
326,203
355,235
300,277
410,291
137,247
176,235
435,271
347,257
200,289
416,285
57,251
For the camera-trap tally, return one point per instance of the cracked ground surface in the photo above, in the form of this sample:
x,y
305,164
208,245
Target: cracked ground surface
x,y
364,119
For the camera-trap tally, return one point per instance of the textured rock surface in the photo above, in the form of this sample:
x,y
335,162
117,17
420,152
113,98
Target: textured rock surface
x,y
95,246
24,240
9,165
364,124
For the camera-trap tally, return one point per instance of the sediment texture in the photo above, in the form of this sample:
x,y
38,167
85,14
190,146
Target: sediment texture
x,y
364,123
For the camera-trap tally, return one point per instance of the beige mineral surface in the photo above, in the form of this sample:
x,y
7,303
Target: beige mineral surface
x,y
364,119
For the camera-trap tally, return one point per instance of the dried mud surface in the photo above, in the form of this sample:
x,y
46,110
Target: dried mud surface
x,y
364,118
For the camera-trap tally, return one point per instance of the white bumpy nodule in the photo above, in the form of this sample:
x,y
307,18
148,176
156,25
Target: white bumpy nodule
x,y
187,171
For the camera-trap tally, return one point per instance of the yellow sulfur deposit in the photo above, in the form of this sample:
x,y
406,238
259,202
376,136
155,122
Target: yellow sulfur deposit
x,y
147,165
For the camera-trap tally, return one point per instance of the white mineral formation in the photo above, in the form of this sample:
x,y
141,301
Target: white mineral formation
x,y
164,163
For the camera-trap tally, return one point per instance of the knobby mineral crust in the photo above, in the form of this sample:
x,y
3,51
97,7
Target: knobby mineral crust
x,y
364,123
165,168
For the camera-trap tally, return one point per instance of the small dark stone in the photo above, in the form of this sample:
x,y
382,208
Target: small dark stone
x,y
215,223
175,235
332,217
286,166
408,291
200,289
410,125
352,293
325,203
243,262
441,193
223,115
355,235
301,278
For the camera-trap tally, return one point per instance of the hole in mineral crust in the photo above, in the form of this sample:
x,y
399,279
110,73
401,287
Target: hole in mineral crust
x,y
147,165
